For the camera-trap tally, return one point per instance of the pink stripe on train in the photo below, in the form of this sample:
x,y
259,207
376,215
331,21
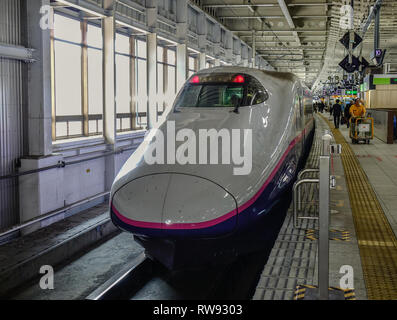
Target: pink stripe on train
x,y
210,223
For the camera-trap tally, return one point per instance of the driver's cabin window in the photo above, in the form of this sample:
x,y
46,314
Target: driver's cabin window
x,y
256,94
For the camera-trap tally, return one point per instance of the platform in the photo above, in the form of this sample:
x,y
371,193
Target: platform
x,y
379,162
293,260
52,245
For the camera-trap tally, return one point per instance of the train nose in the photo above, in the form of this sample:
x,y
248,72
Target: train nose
x,y
172,204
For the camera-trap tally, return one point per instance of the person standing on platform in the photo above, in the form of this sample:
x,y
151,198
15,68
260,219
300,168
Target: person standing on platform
x,y
337,111
357,110
321,107
347,114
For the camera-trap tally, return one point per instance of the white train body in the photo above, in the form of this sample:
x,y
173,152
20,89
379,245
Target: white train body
x,y
170,203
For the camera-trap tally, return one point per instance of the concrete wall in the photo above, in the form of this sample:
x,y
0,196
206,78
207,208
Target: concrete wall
x,y
57,188
385,96
11,106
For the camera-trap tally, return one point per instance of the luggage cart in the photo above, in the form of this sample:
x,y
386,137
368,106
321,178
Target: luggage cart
x,y
361,129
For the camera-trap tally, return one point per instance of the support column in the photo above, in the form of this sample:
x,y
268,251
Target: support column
x,y
202,31
229,46
84,78
181,49
202,60
181,19
151,65
39,115
244,55
237,51
133,84
217,62
253,49
217,39
109,105
181,65
202,40
42,192
165,76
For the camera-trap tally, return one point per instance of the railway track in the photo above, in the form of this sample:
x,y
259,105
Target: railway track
x,y
123,284
145,279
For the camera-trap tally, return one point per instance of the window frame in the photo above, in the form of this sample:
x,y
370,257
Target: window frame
x,y
85,118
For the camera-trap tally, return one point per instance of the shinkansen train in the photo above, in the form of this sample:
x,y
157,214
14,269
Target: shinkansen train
x,y
203,186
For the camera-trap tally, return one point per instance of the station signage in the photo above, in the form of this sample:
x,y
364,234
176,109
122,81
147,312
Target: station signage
x,y
350,67
346,39
384,79
351,92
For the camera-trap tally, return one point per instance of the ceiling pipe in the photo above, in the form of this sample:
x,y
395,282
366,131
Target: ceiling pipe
x,y
372,15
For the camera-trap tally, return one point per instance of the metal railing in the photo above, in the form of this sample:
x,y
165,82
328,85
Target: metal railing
x,y
136,122
300,176
297,202
324,181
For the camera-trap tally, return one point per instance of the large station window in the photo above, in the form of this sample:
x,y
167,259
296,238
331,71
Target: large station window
x,y
95,85
123,92
141,83
77,82
171,77
67,43
193,65
166,78
77,78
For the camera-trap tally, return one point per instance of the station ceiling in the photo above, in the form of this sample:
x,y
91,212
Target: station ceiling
x,y
302,36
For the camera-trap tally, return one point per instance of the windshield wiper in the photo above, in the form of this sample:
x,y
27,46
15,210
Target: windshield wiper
x,y
236,103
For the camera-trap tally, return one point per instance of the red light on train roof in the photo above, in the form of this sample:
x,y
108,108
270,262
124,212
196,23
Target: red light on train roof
x,y
195,79
239,79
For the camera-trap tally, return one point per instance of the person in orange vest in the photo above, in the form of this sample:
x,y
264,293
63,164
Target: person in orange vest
x,y
357,110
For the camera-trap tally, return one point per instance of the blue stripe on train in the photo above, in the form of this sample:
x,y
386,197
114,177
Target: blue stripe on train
x,y
246,219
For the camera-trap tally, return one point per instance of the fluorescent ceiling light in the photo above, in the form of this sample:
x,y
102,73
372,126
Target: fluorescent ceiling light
x,y
130,26
168,40
195,51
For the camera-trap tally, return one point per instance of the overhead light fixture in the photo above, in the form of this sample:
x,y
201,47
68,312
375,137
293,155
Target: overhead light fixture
x,y
193,50
130,26
170,41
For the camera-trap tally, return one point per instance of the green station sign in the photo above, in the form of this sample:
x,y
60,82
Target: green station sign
x,y
385,80
378,81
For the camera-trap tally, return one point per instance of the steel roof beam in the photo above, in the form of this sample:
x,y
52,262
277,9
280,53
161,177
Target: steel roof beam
x,y
275,17
282,31
225,5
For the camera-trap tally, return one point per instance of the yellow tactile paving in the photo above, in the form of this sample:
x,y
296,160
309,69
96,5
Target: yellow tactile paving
x,y
376,240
